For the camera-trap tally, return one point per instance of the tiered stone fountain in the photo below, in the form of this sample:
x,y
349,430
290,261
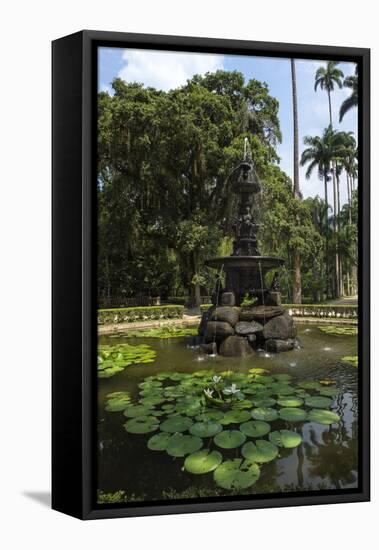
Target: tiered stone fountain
x,y
228,327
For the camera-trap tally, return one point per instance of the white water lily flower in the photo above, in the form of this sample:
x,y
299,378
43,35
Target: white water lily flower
x,y
216,379
208,392
231,389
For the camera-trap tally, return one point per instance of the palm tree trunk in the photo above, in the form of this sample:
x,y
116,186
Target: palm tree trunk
x,y
340,269
348,195
296,185
330,109
336,274
326,236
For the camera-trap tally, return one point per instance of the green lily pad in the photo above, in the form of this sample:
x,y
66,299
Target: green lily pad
x,y
138,410
258,370
176,424
255,428
113,359
159,442
282,389
351,359
293,414
329,392
229,439
141,425
290,401
310,385
264,413
285,438
108,372
260,451
264,402
151,401
282,377
117,404
182,445
236,474
235,417
202,462
210,414
318,402
322,416
339,331
205,429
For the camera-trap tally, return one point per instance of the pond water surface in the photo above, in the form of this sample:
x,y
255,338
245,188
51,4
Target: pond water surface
x,y
326,459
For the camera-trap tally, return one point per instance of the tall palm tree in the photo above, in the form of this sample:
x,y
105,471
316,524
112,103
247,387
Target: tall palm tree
x,y
296,184
351,101
320,154
327,78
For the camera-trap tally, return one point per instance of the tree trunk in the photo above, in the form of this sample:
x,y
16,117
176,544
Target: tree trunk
x,y
326,236
341,287
330,109
296,185
337,270
348,195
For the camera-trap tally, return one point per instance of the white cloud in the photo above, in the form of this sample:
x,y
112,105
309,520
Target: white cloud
x,y
166,70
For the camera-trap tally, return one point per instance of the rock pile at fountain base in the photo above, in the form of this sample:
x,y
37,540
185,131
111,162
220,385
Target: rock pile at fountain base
x,y
238,331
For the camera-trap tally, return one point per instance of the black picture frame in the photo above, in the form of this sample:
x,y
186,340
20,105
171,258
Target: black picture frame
x,y
74,333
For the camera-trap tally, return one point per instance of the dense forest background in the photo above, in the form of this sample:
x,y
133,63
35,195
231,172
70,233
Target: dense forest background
x,y
164,191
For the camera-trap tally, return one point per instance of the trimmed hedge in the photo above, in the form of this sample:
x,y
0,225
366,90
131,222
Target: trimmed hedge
x,y
314,310
323,310
131,314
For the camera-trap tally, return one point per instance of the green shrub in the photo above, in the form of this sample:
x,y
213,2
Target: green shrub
x,y
131,314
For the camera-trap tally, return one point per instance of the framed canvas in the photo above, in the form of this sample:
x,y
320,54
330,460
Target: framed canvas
x,y
211,312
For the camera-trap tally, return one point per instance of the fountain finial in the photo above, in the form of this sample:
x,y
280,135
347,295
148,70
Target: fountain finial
x,y
247,151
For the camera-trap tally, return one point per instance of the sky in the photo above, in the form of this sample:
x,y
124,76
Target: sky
x,y
167,70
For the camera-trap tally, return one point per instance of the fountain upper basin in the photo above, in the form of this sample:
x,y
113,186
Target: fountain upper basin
x,y
265,262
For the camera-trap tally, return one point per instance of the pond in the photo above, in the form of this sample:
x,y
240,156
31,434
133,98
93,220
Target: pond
x,y
326,458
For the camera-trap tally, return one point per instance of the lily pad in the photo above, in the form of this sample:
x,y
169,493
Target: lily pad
x,y
282,377
236,474
264,402
255,428
159,442
202,462
258,370
176,424
229,439
322,416
182,445
141,425
329,392
339,331
264,413
290,401
138,410
285,438
210,414
260,451
293,414
351,359
205,429
235,417
319,402
117,404
310,385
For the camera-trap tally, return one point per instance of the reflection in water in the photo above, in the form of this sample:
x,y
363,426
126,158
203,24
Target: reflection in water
x,y
326,459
